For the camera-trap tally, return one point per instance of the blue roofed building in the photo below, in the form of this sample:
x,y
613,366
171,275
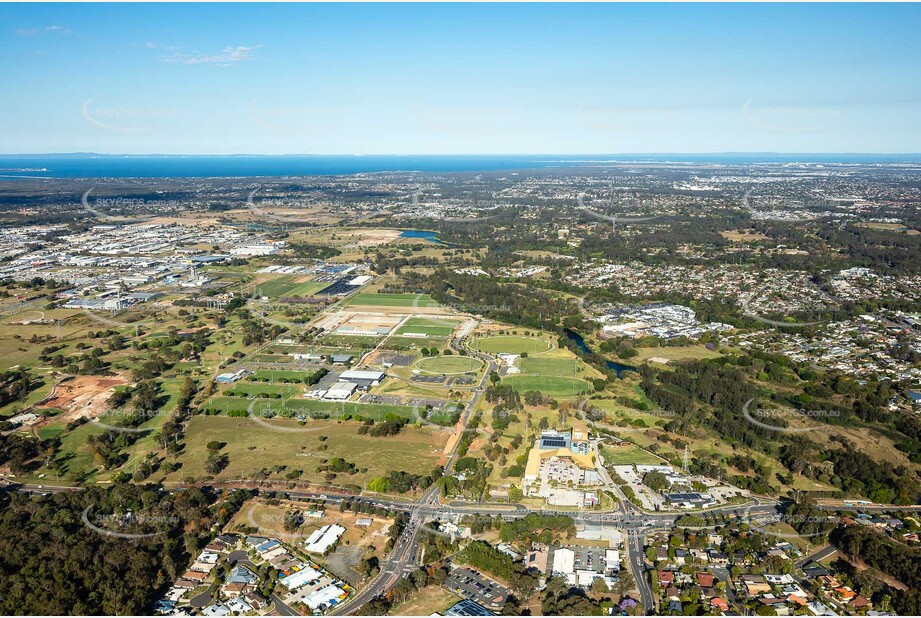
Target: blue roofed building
x,y
468,608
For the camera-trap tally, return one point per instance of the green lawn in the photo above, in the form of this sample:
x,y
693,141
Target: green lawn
x,y
252,389
549,385
691,352
372,299
276,375
251,447
561,367
74,451
270,358
365,342
430,326
412,343
511,344
449,364
628,454
288,286
307,407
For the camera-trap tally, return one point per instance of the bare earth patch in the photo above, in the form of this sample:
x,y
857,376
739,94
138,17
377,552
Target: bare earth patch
x,y
83,396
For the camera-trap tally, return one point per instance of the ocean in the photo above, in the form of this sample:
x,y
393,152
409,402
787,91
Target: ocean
x,y
206,166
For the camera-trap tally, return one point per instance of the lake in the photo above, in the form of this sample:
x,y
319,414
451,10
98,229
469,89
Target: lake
x,y
424,235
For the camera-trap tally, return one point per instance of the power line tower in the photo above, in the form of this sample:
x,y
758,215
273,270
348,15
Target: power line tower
x,y
686,455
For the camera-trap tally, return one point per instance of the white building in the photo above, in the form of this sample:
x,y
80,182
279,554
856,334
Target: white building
x,y
299,578
366,378
564,561
612,560
324,597
360,280
324,538
340,391
251,250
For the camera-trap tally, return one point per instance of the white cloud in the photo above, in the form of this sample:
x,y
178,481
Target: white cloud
x,y
227,57
37,31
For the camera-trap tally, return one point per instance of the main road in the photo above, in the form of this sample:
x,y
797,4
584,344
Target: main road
x,y
402,558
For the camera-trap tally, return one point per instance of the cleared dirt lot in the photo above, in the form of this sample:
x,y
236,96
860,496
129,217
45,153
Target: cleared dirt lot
x,y
372,238
83,396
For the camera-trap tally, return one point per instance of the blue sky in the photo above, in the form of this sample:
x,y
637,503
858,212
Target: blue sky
x,y
461,78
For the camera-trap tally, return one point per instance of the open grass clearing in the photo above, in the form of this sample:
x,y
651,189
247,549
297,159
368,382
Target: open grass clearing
x,y
627,454
426,602
691,352
251,446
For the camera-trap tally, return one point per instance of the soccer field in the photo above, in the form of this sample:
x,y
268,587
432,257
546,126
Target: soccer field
x,y
307,407
511,344
561,367
430,326
254,389
449,364
288,286
549,385
371,299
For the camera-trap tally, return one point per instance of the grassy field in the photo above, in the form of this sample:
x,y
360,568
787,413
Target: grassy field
x,y
274,375
270,358
889,227
628,454
289,286
252,389
691,352
412,343
429,600
307,407
362,342
743,235
432,327
449,364
549,385
372,299
251,447
511,344
76,455
560,367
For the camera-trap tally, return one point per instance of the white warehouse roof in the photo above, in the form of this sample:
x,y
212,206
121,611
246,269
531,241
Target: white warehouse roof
x,y
299,578
355,374
324,538
564,561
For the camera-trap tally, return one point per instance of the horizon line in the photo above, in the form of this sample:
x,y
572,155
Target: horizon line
x,y
455,154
